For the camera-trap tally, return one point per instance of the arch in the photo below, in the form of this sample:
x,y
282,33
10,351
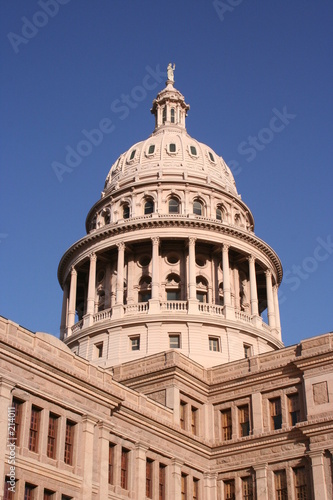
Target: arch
x,y
172,287
221,213
202,289
144,289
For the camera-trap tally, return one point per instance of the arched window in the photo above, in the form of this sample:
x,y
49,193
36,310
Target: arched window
x,y
149,207
132,154
172,115
202,288
126,211
144,289
173,206
164,114
219,214
173,287
197,207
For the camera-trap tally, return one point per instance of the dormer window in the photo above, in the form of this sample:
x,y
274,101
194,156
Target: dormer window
x,y
211,156
172,147
193,151
132,154
172,115
151,149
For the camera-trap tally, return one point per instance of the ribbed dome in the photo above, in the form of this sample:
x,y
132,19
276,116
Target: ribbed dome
x,y
170,150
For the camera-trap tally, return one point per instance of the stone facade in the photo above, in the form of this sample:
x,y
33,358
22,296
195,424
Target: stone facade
x,y
170,380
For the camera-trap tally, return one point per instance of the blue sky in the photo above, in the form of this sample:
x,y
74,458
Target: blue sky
x,y
238,63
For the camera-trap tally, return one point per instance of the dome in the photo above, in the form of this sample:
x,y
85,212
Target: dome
x,y
170,259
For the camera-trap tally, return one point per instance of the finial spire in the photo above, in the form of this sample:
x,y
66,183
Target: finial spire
x,y
171,68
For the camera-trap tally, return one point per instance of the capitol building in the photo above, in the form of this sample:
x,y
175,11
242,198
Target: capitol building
x,y
170,380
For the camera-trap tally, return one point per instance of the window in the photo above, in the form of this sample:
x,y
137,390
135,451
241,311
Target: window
x,y
18,406
161,482
275,412
247,488
182,414
244,422
124,468
229,489
247,350
211,156
164,114
214,344
197,207
174,341
149,207
226,424
172,147
195,488
34,428
280,481
300,483
194,420
294,409
98,348
219,214
29,491
132,154
48,494
149,478
172,115
193,150
69,442
183,486
111,463
173,294
173,206
126,211
52,436
151,149
135,343
9,489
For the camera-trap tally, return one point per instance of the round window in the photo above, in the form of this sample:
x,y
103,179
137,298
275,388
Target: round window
x,y
200,261
144,261
172,258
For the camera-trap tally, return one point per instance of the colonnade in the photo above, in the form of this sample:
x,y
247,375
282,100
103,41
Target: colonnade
x,y
70,290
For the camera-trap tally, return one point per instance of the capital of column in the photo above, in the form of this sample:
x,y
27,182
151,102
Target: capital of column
x,y
92,256
155,240
73,271
192,240
251,259
120,245
225,247
268,273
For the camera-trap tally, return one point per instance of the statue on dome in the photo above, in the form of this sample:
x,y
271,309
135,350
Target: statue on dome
x,y
170,71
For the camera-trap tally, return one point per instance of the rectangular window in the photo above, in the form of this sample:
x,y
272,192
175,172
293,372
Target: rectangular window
x,y
48,495
149,478
174,341
280,481
18,406
34,428
229,489
275,413
194,420
247,350
111,462
226,424
244,421
135,343
195,488
294,409
183,487
29,491
182,414
98,348
300,484
247,488
161,482
173,295
52,436
124,469
214,344
69,442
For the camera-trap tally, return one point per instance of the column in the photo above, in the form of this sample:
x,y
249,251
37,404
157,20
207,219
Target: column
x,y
320,487
192,285
108,286
118,309
103,460
210,486
64,312
277,309
88,319
176,472
229,311
253,286
140,470
87,457
72,301
261,481
154,302
270,301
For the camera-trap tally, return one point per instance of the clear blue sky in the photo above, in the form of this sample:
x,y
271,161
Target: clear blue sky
x,y
237,65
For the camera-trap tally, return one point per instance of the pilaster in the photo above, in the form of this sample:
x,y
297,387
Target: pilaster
x,y
320,487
